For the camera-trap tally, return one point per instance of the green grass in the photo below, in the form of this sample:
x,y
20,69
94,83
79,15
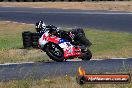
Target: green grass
x,y
110,44
104,41
11,44
10,34
105,44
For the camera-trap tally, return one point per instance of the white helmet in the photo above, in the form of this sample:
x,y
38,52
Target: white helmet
x,y
40,25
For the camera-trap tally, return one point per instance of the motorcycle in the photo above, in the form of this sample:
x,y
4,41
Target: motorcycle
x,y
59,49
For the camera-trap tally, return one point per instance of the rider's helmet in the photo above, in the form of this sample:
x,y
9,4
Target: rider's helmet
x,y
40,25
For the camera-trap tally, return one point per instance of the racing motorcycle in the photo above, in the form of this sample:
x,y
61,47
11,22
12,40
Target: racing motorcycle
x,y
60,49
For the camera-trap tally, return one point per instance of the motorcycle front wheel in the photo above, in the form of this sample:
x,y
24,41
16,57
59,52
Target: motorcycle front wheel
x,y
55,52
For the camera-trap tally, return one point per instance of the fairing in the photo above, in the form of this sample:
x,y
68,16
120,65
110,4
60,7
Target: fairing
x,y
68,49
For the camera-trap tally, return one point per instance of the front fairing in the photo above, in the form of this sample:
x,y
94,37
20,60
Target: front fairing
x,y
42,40
68,49
47,37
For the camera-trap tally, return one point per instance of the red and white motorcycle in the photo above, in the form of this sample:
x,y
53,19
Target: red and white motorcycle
x,y
59,49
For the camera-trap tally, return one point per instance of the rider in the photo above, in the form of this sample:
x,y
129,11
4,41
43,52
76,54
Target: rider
x,y
41,28
74,35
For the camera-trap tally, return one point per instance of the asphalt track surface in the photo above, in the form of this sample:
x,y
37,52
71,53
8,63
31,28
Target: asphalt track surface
x,y
104,20
54,69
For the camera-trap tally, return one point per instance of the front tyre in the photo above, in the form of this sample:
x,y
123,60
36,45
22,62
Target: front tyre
x,y
87,55
54,51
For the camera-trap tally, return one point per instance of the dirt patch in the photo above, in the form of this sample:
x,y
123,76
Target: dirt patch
x,y
13,28
115,5
22,55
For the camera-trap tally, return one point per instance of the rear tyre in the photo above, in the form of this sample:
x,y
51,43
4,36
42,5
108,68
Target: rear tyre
x,y
54,52
87,55
26,36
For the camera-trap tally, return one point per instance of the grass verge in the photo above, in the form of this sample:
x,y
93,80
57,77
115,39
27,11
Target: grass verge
x,y
105,44
58,82
110,44
106,5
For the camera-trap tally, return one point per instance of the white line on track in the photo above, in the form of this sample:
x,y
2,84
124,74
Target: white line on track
x,y
119,58
95,59
16,22
66,12
98,13
16,63
5,64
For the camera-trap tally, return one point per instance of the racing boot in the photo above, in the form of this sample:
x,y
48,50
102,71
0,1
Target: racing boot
x,y
83,48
